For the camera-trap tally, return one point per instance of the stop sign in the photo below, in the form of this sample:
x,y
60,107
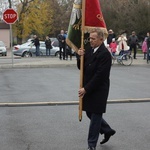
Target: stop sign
x,y
10,16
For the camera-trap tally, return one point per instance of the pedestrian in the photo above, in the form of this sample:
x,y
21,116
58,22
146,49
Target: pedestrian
x,y
68,48
62,44
122,44
148,46
97,65
113,46
133,41
68,52
111,35
144,46
37,45
48,46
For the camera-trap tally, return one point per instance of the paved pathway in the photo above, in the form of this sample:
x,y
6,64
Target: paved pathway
x,y
19,62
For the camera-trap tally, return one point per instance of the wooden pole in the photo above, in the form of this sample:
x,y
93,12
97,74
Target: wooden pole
x,y
82,59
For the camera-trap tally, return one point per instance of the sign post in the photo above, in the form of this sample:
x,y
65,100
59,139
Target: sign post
x,y
10,16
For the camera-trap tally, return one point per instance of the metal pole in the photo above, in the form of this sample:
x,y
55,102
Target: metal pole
x,y
11,45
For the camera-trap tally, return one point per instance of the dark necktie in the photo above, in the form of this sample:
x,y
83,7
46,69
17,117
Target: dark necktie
x,y
92,51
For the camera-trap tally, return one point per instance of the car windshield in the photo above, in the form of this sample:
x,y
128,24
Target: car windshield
x,y
2,44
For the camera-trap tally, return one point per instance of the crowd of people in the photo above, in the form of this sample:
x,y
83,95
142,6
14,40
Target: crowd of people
x,y
64,49
115,43
122,43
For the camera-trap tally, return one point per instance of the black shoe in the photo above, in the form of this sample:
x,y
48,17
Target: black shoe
x,y
91,148
107,136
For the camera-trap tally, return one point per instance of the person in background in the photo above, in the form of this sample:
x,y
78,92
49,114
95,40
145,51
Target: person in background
x,y
133,41
37,44
62,44
122,44
113,46
111,35
68,52
68,48
48,46
97,65
148,46
144,46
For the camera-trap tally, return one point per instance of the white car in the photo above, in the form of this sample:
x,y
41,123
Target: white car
x,y
28,50
3,50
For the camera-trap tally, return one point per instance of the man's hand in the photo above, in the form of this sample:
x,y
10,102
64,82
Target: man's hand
x,y
81,92
81,52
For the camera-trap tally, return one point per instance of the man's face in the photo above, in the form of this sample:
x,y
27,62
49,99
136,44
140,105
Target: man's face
x,y
133,33
62,32
95,41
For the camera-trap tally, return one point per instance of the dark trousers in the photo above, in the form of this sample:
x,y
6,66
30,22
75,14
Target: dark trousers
x,y
48,51
133,46
37,50
97,126
60,52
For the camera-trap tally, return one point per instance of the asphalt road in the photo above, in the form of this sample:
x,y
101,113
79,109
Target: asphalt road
x,y
61,84
58,128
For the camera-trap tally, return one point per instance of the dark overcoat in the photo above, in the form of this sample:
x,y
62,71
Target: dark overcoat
x,y
96,79
60,38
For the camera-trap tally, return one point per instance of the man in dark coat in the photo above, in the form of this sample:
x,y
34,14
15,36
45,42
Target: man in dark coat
x,y
37,45
48,46
111,35
133,41
62,44
97,65
148,46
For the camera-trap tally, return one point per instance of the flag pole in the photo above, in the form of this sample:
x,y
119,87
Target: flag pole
x,y
82,59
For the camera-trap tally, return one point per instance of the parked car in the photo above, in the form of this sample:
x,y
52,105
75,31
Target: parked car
x,y
3,50
28,49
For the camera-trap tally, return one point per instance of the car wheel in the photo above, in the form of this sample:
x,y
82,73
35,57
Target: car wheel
x,y
27,54
57,54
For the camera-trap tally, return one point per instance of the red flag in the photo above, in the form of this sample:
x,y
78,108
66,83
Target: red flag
x,y
94,17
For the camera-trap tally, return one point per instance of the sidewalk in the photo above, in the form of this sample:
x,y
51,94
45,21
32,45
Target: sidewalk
x,y
35,62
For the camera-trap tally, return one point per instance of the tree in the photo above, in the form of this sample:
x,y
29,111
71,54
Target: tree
x,y
126,15
35,17
22,8
62,11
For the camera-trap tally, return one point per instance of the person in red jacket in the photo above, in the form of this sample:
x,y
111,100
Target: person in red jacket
x,y
113,46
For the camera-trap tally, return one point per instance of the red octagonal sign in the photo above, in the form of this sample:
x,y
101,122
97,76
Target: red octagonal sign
x,y
10,16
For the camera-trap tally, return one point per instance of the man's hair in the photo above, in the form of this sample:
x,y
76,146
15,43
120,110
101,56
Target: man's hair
x,y
99,32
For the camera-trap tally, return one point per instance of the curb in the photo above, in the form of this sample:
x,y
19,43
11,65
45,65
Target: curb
x,y
140,100
36,66
10,66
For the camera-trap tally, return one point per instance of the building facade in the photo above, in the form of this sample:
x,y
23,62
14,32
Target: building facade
x,y
5,33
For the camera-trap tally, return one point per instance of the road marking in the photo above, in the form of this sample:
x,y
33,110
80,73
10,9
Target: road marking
x,y
138,100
